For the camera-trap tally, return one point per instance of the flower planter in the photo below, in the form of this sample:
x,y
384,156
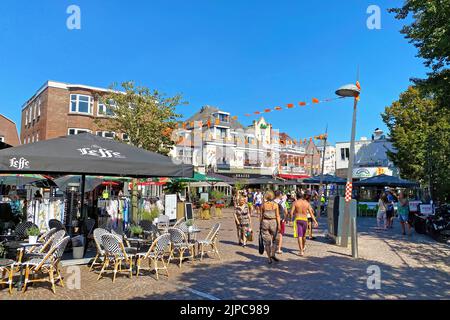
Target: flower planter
x,y
32,239
206,214
219,212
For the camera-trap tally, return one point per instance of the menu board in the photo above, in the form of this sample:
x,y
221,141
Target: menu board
x,y
170,205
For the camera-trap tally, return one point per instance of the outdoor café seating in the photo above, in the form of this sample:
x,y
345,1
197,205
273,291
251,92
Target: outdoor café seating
x,y
48,265
155,254
209,244
7,272
116,255
42,249
179,243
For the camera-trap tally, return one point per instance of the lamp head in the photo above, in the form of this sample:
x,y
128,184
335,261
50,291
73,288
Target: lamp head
x,y
349,90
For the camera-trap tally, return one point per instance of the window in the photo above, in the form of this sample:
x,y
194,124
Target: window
x,y
223,117
24,140
26,117
222,133
2,139
32,139
37,137
80,104
106,134
39,108
29,140
34,110
345,154
73,131
30,113
106,109
125,137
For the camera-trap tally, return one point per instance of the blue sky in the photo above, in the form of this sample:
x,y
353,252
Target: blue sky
x,y
238,55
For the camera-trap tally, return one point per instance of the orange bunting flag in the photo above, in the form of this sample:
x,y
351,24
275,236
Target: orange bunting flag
x,y
184,125
267,110
315,100
217,121
290,105
278,108
302,104
358,85
209,123
257,112
234,118
247,114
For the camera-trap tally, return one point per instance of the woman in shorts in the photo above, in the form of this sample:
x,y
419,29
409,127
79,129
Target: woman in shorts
x,y
403,213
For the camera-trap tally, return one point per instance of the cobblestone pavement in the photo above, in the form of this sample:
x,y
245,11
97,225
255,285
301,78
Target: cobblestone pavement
x,y
413,267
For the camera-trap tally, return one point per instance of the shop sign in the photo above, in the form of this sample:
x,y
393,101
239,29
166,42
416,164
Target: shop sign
x,y
368,172
19,164
100,152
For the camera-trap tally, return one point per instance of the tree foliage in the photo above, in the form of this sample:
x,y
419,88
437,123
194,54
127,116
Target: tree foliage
x,y
146,116
420,132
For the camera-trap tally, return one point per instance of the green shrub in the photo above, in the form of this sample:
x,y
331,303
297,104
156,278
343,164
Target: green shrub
x,y
33,231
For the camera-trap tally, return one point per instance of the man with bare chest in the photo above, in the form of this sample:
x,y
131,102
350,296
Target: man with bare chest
x,y
299,211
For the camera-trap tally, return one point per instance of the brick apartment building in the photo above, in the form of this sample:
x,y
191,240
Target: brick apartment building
x,y
8,131
59,109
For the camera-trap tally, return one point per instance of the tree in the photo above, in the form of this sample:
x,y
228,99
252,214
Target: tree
x,y
430,33
146,116
420,132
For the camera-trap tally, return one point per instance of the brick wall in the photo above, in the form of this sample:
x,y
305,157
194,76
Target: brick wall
x,y
8,131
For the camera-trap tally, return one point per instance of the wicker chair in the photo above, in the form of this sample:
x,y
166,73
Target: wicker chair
x,y
98,233
45,247
209,241
156,253
21,229
7,268
179,222
115,253
43,239
163,223
49,264
54,223
179,242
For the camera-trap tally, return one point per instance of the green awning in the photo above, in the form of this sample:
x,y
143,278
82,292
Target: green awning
x,y
198,177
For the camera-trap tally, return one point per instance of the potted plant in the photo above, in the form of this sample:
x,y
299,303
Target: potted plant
x,y
205,207
218,200
33,234
136,230
190,224
151,215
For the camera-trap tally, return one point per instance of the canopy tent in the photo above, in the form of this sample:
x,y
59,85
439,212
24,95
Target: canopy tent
x,y
327,179
21,179
198,177
383,180
87,154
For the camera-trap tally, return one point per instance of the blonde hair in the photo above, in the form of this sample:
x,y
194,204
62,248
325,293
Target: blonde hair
x,y
269,196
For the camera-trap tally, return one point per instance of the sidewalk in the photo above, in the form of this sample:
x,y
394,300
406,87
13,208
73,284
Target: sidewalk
x,y
413,268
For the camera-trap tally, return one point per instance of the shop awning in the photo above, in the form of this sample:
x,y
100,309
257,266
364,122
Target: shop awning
x,y
198,177
87,154
383,180
293,176
327,179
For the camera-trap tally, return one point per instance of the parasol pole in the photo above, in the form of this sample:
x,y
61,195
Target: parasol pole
x,y
83,186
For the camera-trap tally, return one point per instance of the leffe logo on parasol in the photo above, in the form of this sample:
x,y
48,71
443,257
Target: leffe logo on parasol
x,y
100,152
19,164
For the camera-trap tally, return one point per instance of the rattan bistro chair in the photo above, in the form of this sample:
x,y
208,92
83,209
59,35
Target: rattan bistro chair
x,y
115,253
49,264
100,255
179,242
43,241
43,249
156,253
210,242
179,222
7,272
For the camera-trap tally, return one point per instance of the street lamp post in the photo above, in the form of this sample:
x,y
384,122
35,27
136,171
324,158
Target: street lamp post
x,y
353,91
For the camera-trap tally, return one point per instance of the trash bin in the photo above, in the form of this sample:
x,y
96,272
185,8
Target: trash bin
x,y
78,247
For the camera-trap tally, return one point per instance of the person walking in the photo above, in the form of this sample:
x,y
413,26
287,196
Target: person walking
x,y
403,213
258,202
300,210
243,220
390,209
279,199
381,213
250,200
270,225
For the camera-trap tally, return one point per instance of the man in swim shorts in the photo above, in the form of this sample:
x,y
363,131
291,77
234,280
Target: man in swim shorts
x,y
300,210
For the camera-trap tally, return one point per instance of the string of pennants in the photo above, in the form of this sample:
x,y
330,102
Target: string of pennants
x,y
216,121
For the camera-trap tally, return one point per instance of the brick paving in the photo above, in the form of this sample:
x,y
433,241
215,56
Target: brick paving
x,y
414,267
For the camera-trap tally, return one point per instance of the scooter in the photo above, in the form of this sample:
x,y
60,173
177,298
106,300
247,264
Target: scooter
x,y
438,225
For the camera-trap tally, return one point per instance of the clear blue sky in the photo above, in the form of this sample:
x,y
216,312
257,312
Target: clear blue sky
x,y
238,55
